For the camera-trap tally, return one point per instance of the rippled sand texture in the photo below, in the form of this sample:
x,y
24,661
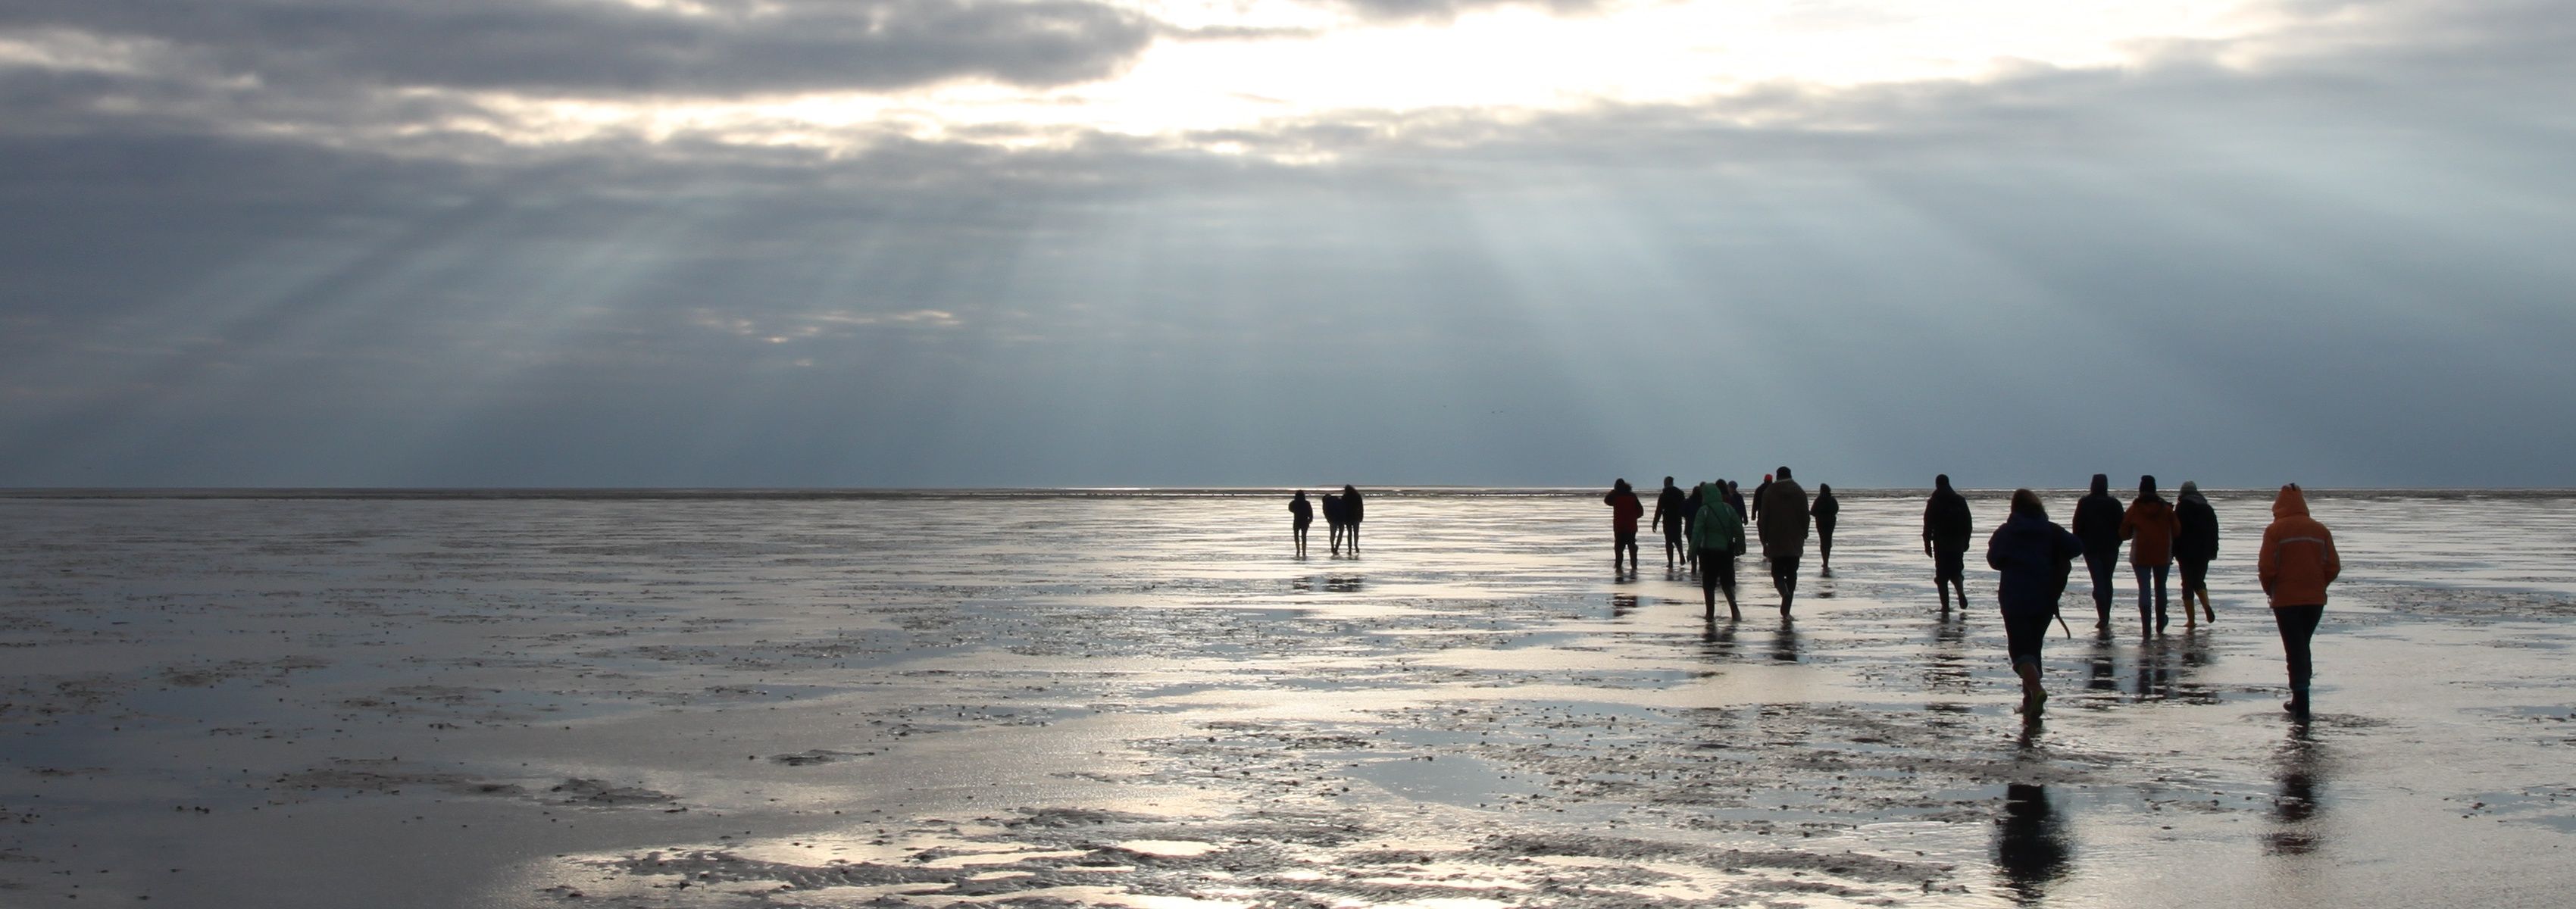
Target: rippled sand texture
x,y
1145,701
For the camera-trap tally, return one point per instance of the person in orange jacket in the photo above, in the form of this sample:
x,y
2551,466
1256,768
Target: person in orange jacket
x,y
2298,560
2149,526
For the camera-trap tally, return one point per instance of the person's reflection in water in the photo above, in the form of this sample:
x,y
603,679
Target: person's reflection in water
x,y
1621,604
1784,645
2031,849
2104,669
1719,637
2300,766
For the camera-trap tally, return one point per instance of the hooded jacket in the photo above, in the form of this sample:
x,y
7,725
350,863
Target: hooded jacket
x,y
1782,516
2298,558
1946,521
1826,509
2149,527
1717,528
1624,510
1671,505
2196,528
2097,519
2034,554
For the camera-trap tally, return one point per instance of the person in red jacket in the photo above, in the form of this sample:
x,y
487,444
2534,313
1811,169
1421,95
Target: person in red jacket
x,y
1624,512
2150,528
2298,560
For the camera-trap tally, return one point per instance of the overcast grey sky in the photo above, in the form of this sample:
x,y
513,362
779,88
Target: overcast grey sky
x,y
1100,242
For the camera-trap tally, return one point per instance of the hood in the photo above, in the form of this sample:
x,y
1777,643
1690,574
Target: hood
x,y
2102,484
2292,502
1710,492
1940,483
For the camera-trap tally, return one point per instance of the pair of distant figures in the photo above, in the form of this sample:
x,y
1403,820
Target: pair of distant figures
x,y
1342,512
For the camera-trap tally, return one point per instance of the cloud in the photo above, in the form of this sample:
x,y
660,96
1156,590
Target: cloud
x,y
597,47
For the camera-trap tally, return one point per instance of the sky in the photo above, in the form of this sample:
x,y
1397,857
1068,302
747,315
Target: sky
x,y
1006,243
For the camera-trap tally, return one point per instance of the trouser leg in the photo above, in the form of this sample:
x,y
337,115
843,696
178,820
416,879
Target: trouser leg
x,y
2298,624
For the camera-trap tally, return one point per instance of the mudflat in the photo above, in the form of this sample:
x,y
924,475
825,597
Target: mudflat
x,y
1144,700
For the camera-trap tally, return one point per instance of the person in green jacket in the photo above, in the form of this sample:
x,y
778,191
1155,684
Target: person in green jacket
x,y
1717,534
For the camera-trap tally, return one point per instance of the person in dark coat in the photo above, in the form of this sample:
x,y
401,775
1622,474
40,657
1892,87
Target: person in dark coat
x,y
1756,516
2195,546
2034,555
2097,523
1735,499
1670,512
1624,512
1303,513
1825,511
1947,527
1352,511
1783,524
1690,518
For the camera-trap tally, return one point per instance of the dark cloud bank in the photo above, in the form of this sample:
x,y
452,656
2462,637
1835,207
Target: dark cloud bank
x,y
2343,267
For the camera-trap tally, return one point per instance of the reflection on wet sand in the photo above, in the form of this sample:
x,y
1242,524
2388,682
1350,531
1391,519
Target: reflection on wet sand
x,y
2298,768
2032,849
1622,604
1784,643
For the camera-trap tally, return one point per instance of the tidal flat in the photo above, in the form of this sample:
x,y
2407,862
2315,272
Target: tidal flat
x,y
1049,699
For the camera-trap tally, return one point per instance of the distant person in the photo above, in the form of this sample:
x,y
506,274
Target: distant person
x,y
1354,511
1756,514
1947,527
2195,546
1690,518
2296,563
1302,514
1717,535
1337,517
1735,499
1671,511
1825,511
1624,512
2149,527
2097,523
2034,555
1783,524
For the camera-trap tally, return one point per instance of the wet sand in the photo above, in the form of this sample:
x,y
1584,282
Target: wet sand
x,y
1145,701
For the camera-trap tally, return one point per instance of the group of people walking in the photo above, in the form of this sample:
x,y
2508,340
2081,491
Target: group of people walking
x,y
2034,556
1342,512
1704,532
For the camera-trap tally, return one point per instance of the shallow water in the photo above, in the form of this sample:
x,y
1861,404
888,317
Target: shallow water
x,y
1145,700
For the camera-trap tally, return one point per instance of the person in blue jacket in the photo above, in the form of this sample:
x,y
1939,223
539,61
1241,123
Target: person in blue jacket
x,y
2034,556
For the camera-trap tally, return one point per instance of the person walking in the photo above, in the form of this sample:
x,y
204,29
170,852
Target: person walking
x,y
1671,510
1735,498
1337,517
1783,524
2034,556
2195,546
1690,520
1825,511
2296,563
1624,512
1947,527
1302,512
2097,523
2149,527
1755,515
1352,511
1717,535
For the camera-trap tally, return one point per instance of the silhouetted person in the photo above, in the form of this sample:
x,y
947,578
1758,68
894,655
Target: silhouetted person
x,y
1624,512
2031,845
2034,555
1717,534
1690,518
1671,511
1337,517
1735,499
1947,527
2149,527
2195,546
2297,561
1825,511
1783,524
1354,511
1302,514
2097,523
